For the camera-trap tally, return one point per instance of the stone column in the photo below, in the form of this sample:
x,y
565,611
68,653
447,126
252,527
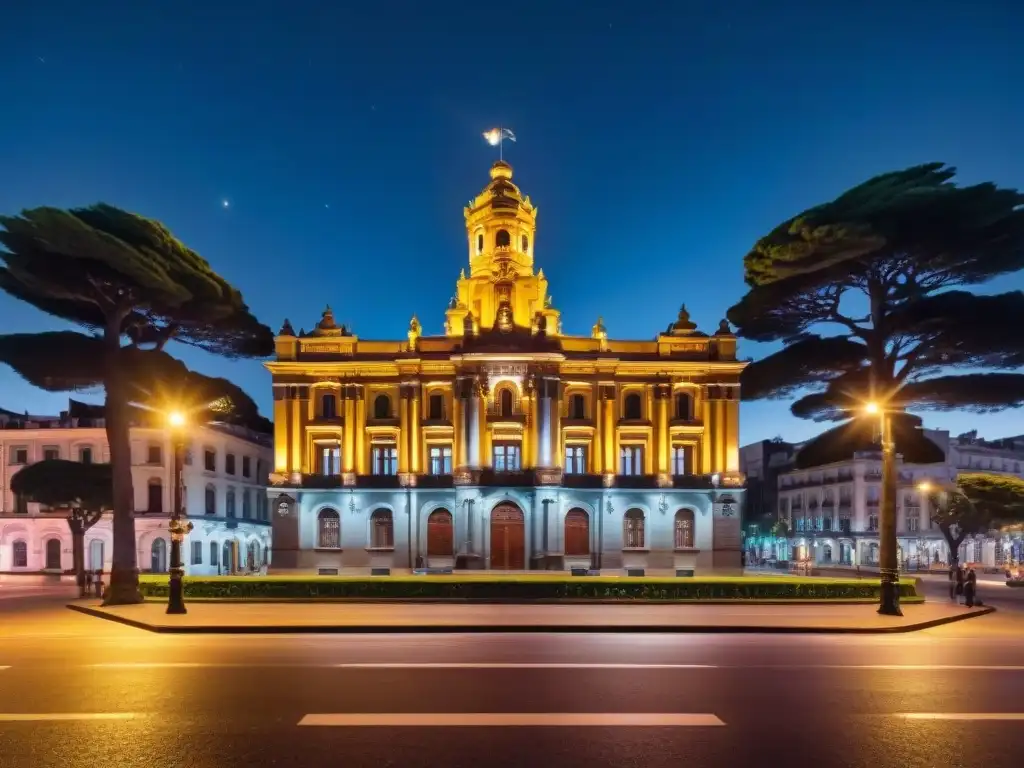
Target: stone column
x,y
348,453
544,426
281,436
557,452
404,396
361,450
611,444
415,439
469,406
662,398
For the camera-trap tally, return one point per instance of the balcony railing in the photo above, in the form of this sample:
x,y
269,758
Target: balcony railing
x,y
519,478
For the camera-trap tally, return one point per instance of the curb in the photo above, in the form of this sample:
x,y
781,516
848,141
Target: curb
x,y
451,629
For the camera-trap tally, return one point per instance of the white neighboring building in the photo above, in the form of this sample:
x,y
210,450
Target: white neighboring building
x,y
832,510
225,479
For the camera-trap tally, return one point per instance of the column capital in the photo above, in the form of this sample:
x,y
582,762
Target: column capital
x,y
606,391
662,391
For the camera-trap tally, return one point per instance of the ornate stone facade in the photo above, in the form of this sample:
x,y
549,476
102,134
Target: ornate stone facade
x,y
506,443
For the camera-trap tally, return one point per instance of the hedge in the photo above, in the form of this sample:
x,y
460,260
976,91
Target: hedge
x,y
592,588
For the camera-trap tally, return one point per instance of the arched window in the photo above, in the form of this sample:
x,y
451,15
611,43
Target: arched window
x,y
382,407
525,244
577,407
505,402
231,502
480,243
328,534
684,529
328,406
53,554
211,500
633,529
155,496
440,534
382,530
19,554
158,556
577,532
503,239
436,405
631,406
684,406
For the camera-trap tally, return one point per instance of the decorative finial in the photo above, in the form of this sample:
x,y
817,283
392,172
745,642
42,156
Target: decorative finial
x,y
453,303
723,328
683,324
599,331
540,273
286,328
327,319
302,331
462,274
415,330
548,301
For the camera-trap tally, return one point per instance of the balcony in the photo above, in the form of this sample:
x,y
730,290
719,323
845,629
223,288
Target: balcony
x,y
582,422
583,481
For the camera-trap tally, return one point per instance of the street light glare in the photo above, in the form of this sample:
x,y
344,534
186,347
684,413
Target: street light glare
x,y
176,419
924,486
871,408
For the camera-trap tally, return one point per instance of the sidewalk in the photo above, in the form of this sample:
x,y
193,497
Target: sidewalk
x,y
286,618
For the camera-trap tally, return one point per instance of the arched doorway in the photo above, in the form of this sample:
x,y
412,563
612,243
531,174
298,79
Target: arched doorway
x,y
227,557
53,555
158,556
508,537
577,532
440,534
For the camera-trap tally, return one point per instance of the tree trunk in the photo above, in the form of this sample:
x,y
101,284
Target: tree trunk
x,y
953,543
124,574
78,555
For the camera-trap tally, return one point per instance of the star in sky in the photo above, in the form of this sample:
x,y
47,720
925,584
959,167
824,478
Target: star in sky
x,y
225,203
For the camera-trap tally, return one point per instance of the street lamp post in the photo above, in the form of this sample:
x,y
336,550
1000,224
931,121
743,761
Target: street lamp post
x,y
178,528
888,557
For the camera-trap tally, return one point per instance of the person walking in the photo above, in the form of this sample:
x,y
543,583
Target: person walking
x,y
970,588
952,583
959,583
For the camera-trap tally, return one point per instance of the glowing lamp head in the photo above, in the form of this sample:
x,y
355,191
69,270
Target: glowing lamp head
x,y
924,487
871,408
176,419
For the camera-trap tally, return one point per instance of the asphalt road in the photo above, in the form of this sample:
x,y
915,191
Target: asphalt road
x,y
524,700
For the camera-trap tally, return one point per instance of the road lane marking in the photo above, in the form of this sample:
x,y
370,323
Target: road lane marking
x,y
962,715
3,668
896,667
9,717
513,719
513,665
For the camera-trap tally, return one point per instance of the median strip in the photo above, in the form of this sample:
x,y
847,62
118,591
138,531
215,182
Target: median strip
x,y
11,717
972,716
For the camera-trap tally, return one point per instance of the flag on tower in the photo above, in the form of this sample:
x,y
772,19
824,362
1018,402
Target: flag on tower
x,y
495,136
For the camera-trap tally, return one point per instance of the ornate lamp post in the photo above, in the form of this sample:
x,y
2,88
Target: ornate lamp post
x,y
179,529
888,556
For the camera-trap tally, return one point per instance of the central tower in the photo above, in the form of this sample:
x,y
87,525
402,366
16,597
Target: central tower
x,y
501,292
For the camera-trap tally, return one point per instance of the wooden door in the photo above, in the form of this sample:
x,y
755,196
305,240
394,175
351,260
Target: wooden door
x,y
440,534
508,537
577,532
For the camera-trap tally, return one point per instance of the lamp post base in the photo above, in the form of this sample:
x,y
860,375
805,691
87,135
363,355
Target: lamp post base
x,y
176,592
890,599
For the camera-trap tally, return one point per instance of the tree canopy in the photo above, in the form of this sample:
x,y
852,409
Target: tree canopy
x,y
980,502
866,293
65,484
132,287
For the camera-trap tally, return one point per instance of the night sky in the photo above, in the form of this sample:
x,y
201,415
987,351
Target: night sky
x,y
322,152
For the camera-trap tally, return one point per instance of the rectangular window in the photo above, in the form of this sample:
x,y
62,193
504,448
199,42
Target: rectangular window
x,y
197,553
229,463
385,460
20,504
51,454
210,461
19,455
85,455
575,459
506,457
631,460
678,460
440,459
329,459
844,524
873,522
154,455
214,553
246,466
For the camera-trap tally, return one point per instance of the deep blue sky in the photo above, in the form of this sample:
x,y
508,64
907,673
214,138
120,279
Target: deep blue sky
x,y
659,139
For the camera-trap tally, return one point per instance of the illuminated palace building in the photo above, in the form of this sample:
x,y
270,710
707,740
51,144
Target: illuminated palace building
x,y
505,443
